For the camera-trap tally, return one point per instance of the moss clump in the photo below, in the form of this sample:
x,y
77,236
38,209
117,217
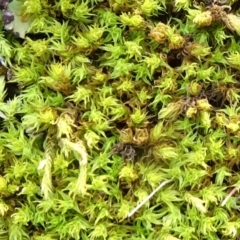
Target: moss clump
x,y
117,99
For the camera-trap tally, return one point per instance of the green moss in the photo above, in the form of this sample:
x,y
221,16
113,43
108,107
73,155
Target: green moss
x,y
127,122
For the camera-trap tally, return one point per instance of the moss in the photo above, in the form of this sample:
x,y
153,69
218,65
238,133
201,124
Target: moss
x,y
125,123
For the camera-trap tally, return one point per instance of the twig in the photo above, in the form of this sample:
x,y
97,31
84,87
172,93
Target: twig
x,y
148,197
229,195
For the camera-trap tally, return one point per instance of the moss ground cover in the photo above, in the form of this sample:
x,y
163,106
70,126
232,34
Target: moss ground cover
x,y
105,104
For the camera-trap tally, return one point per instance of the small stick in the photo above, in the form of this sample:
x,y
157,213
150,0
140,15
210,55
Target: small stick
x,y
148,197
229,195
